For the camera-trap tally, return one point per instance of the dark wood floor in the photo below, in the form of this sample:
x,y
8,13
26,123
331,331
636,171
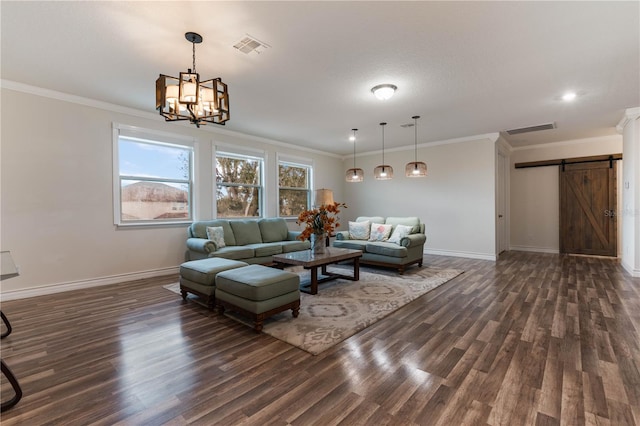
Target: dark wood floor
x,y
532,339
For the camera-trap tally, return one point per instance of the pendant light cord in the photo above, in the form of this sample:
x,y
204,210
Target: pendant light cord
x,y
415,125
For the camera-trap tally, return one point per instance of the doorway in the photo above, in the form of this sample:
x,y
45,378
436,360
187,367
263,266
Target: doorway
x,y
588,205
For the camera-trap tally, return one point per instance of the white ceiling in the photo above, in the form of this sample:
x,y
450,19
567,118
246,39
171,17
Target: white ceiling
x,y
467,68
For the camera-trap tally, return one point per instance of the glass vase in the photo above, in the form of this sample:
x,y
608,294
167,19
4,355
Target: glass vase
x,y
318,243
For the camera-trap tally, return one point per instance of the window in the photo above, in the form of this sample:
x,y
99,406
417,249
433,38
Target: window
x,y
238,185
294,188
153,179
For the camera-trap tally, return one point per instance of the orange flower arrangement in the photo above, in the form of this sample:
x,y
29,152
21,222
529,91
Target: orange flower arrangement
x,y
319,220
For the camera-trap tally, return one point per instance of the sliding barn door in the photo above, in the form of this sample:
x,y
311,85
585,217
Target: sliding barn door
x,y
587,208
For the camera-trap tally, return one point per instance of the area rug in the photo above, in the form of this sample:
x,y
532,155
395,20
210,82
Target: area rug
x,y
342,307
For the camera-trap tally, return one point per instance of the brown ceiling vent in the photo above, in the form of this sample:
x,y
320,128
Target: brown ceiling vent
x,y
250,44
531,129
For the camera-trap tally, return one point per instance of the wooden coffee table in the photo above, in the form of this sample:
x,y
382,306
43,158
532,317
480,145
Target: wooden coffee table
x,y
313,261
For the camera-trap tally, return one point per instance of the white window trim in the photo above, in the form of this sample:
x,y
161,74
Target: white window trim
x,y
161,138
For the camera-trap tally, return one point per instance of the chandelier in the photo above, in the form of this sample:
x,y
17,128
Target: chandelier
x,y
188,98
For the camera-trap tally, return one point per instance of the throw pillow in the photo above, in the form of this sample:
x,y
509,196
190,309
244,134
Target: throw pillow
x,y
380,232
399,233
359,230
216,234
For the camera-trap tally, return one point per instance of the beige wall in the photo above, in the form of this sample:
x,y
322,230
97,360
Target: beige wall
x,y
57,191
456,201
535,197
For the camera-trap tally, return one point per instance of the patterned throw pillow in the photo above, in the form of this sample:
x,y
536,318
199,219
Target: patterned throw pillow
x,y
216,234
359,230
399,233
380,232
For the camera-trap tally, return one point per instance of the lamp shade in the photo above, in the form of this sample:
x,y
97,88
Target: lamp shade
x,y
324,196
415,169
383,172
355,175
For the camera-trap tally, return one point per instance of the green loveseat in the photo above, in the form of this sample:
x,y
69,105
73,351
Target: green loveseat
x,y
251,241
407,252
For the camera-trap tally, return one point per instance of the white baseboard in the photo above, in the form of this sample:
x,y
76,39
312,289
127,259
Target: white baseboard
x,y
634,272
535,249
78,285
470,255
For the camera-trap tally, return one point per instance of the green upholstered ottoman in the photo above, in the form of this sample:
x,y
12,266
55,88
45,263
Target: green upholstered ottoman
x,y
198,277
258,292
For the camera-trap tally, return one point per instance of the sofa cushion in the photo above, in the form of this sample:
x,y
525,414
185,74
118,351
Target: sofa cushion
x,y
414,222
273,229
399,232
216,234
371,219
257,282
246,232
351,244
289,246
204,271
386,249
234,252
359,230
266,249
380,232
199,230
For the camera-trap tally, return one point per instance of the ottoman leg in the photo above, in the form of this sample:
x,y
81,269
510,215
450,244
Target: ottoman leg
x,y
295,309
184,294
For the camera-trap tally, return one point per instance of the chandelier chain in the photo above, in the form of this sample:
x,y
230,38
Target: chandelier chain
x,y
193,43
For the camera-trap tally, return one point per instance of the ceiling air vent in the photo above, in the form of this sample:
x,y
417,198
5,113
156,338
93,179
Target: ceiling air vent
x,y
250,44
531,129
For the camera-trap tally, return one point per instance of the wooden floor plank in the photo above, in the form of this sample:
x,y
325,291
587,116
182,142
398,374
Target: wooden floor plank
x,y
532,338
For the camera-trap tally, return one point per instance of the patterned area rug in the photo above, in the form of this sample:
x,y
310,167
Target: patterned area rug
x,y
342,307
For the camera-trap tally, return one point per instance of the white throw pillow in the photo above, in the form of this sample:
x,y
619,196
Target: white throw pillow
x,y
359,230
380,232
216,234
399,233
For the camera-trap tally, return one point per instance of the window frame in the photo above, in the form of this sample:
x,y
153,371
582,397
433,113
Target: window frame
x,y
295,162
158,138
240,154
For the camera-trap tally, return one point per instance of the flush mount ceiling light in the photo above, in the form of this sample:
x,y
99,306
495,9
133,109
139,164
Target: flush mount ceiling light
x,y
384,91
416,168
569,96
354,174
383,171
188,98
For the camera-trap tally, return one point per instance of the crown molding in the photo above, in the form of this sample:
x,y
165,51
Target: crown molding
x,y
493,137
630,114
79,100
564,143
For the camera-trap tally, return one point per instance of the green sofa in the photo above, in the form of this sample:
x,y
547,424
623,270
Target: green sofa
x,y
381,253
251,241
